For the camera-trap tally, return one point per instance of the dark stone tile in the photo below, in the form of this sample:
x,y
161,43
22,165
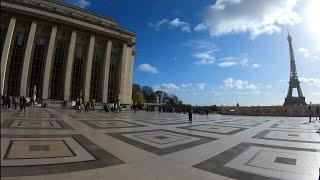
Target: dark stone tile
x,y
295,135
111,122
7,124
39,148
161,137
284,160
229,133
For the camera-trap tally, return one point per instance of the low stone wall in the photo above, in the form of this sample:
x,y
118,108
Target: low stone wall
x,y
294,111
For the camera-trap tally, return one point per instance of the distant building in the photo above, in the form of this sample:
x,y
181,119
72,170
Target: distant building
x,y
64,52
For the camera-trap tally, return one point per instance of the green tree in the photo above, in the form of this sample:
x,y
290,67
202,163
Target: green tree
x,y
138,97
136,88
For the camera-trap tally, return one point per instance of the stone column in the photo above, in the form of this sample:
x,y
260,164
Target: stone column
x,y
89,69
47,70
26,61
130,74
67,82
123,72
5,52
105,72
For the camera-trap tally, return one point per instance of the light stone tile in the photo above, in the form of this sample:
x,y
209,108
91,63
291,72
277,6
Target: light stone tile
x,y
286,136
260,160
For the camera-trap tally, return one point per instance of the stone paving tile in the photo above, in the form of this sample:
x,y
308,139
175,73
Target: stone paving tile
x,y
147,145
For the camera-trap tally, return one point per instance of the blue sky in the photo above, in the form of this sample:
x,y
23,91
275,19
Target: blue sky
x,y
221,52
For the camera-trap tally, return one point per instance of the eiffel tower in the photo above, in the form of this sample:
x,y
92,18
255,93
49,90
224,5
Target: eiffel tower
x,y
294,81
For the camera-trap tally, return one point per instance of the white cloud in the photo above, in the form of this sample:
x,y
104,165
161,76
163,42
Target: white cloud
x,y
268,86
201,86
231,83
175,23
186,85
203,50
204,58
225,64
201,27
310,81
244,62
82,3
148,68
305,52
167,87
316,94
157,25
256,66
234,61
263,17
185,29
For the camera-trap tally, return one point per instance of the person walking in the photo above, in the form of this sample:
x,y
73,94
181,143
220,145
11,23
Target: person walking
x,y
15,102
93,101
24,103
318,113
309,113
190,117
4,102
21,103
79,105
9,101
1,102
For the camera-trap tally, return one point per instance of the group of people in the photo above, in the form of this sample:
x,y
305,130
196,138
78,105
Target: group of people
x,y
87,106
311,113
134,108
7,102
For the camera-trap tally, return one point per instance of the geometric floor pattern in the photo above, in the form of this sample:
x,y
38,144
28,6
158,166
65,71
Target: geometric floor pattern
x,y
44,143
161,141
258,161
23,155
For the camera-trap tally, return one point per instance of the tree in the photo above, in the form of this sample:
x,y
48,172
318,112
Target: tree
x,y
152,98
149,94
147,90
136,88
160,96
174,98
138,97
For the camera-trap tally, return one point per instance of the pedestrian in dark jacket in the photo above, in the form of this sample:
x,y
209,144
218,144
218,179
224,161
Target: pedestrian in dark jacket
x,y
24,103
309,113
190,117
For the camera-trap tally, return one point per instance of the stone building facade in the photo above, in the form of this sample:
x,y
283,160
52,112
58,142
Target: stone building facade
x,y
61,52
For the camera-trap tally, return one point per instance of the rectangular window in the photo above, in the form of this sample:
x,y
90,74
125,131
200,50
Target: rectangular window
x,y
95,75
37,66
113,76
57,81
78,73
16,64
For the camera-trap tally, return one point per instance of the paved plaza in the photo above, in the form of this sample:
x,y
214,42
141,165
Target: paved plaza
x,y
63,144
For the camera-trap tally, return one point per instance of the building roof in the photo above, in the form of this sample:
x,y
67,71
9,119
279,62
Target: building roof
x,y
71,12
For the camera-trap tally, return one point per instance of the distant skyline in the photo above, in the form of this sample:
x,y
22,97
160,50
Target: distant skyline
x,y
221,52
